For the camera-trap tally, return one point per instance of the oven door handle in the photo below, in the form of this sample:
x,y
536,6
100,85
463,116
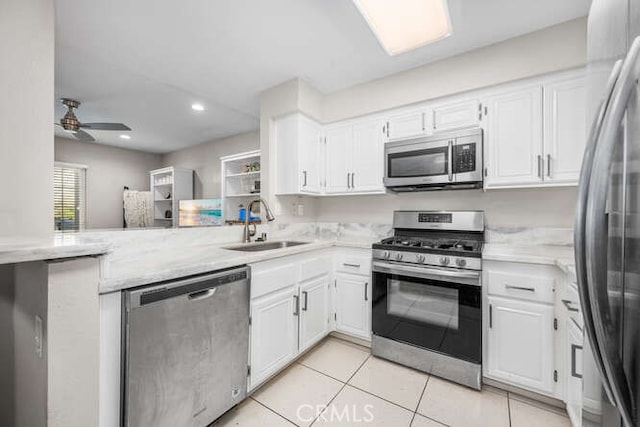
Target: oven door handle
x,y
467,277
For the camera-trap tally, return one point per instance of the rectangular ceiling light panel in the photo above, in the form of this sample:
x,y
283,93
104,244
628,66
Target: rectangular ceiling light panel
x,y
402,25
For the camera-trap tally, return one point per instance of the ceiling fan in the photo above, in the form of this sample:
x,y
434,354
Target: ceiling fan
x,y
71,124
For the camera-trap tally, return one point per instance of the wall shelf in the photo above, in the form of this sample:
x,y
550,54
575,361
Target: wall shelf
x,y
238,183
176,182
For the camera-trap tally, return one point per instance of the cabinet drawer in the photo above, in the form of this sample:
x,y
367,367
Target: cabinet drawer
x,y
270,278
354,264
314,267
522,285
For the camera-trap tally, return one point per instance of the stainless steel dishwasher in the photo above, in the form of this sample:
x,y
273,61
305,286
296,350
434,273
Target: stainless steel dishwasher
x,y
185,349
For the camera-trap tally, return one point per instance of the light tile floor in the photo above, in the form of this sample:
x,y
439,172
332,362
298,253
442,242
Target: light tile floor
x,y
340,384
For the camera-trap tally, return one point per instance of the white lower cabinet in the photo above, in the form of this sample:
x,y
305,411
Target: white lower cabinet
x,y
353,305
314,311
520,339
274,333
573,354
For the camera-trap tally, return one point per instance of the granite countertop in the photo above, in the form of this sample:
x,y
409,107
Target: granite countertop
x,y
169,264
13,250
559,256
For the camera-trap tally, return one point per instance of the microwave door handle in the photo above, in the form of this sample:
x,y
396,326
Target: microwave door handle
x,y
450,161
579,237
596,233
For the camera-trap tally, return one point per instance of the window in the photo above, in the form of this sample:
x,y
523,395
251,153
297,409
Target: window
x,y
69,183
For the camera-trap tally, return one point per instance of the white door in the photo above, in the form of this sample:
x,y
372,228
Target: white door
x,y
310,156
407,124
367,157
337,158
314,311
565,130
353,305
513,139
520,343
456,115
574,372
274,333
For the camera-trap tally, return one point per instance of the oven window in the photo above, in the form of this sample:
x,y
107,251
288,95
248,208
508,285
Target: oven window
x,y
427,304
418,163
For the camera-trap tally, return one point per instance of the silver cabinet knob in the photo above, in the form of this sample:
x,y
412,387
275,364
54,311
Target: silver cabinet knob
x,y
461,262
444,260
398,257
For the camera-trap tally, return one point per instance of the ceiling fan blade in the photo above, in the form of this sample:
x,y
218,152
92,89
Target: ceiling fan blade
x,y
81,135
105,126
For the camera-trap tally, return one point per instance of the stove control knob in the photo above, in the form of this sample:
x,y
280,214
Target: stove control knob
x,y
420,259
444,260
398,257
386,255
461,262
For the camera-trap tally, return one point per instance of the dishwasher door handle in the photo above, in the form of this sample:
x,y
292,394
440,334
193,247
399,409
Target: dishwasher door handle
x,y
200,295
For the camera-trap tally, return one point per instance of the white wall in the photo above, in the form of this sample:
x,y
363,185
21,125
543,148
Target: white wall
x,y
109,170
553,49
204,159
26,117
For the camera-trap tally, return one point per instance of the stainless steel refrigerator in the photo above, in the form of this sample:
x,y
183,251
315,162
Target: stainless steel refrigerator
x,y
607,229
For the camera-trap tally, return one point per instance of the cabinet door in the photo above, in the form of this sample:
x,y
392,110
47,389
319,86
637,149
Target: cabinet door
x,y
353,305
274,333
456,115
314,311
407,124
565,130
574,372
367,157
338,150
514,138
520,344
310,156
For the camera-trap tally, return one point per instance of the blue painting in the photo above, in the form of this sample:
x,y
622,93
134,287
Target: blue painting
x,y
200,212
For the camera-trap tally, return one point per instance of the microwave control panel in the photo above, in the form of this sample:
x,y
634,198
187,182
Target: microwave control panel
x,y
465,158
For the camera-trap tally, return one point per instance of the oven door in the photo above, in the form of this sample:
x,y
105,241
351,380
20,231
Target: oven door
x,y
418,162
429,307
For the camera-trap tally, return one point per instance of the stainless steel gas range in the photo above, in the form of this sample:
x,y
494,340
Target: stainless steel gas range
x,y
427,295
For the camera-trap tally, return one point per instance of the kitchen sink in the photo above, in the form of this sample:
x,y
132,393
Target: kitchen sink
x,y
265,246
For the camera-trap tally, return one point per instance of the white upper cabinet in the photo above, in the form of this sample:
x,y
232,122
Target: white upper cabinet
x,y
565,130
407,124
456,115
354,156
298,154
513,138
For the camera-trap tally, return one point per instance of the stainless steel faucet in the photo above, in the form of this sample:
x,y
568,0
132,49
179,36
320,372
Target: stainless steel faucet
x,y
247,234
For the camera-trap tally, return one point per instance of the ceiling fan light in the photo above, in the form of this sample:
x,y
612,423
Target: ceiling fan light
x,y
123,136
404,25
197,107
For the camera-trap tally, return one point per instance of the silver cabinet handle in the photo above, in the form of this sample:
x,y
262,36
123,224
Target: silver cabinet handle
x,y
520,288
490,316
353,180
450,160
540,166
296,310
388,129
348,180
424,124
596,228
580,221
574,373
384,129
567,305
346,264
305,294
304,173
549,165
366,289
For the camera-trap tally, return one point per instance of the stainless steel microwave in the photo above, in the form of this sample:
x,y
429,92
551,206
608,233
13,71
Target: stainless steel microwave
x,y
451,160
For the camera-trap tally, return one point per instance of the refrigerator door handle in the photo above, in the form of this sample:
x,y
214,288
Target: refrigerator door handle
x,y
596,224
580,218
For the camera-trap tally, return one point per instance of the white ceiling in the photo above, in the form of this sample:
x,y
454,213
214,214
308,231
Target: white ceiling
x,y
144,62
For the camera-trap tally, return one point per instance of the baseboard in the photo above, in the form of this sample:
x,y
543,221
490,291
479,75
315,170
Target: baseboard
x,y
345,337
526,394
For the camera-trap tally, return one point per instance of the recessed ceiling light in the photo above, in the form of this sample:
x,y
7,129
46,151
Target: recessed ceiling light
x,y
197,107
403,25
125,137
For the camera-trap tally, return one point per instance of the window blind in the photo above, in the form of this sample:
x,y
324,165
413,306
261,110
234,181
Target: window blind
x,y
69,197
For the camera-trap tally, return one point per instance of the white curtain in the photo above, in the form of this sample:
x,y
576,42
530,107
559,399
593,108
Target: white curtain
x,y
138,208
